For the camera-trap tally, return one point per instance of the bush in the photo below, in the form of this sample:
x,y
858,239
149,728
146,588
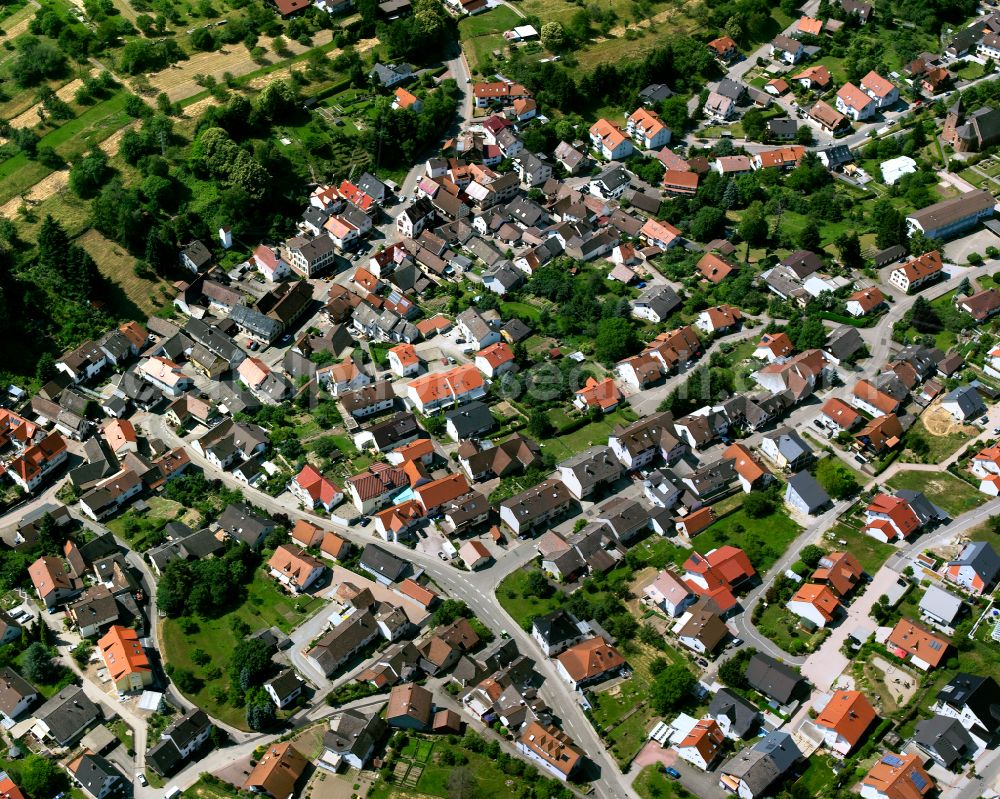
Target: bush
x,y
975,258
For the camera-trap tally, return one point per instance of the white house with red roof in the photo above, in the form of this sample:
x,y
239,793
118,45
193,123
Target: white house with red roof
x,y
270,264
495,359
602,394
854,103
883,91
889,518
314,490
720,319
816,603
404,360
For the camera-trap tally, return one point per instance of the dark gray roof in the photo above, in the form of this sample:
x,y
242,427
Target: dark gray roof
x,y
613,177
95,774
383,563
556,628
844,342
471,419
164,758
981,558
241,523
803,263
731,89
352,732
773,679
808,490
593,466
743,716
979,695
655,92
255,322
285,683
945,738
968,400
68,713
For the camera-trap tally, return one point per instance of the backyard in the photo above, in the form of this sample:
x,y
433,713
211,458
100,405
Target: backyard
x,y
427,767
591,434
871,553
952,495
925,446
781,626
621,712
145,530
523,604
764,540
266,605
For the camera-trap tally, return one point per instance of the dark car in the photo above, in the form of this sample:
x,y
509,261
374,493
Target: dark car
x,y
671,772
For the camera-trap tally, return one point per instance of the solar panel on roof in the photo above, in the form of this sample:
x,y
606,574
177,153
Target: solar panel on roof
x,y
918,780
935,645
892,760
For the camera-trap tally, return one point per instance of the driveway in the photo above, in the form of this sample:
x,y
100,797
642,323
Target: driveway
x,y
824,665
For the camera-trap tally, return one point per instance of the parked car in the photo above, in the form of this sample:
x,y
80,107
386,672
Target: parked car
x,y
671,772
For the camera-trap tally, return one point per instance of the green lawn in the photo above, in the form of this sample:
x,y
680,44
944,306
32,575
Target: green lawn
x,y
764,540
490,780
652,783
70,140
266,606
939,447
829,467
818,777
496,20
520,603
209,787
589,435
524,311
145,530
871,554
954,496
781,626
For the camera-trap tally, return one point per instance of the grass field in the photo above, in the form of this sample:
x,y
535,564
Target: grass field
x,y
780,625
589,435
131,293
954,496
771,536
871,554
520,603
425,755
939,447
266,605
204,789
652,783
828,468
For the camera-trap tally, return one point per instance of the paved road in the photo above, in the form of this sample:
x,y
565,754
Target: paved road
x,y
477,589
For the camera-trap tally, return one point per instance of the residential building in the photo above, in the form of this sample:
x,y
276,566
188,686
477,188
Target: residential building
x,y
855,103
551,749
844,720
294,568
647,129
351,739
754,770
669,594
890,518
179,741
816,603
909,641
96,776
976,567
737,718
557,631
806,495
702,745
773,679
917,272
897,777
277,771
610,140
126,661
589,661
431,392
532,509
593,470
65,717
945,740
410,707
314,490
865,301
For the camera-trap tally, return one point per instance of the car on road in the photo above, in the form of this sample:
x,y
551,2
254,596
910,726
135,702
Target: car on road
x,y
984,420
142,779
365,521
671,772
861,459
460,341
443,556
702,662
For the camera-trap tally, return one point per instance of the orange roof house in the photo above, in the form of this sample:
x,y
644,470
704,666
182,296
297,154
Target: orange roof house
x,y
897,777
724,46
865,301
51,580
867,395
495,358
294,567
815,77
910,641
417,592
714,267
277,771
881,433
810,26
696,521
306,533
126,660
552,748
841,571
660,234
774,346
392,522
603,394
436,493
405,99
751,473
432,391
121,436
845,720
816,603
717,574
8,789
334,546
890,518
779,158
588,661
703,743
681,181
